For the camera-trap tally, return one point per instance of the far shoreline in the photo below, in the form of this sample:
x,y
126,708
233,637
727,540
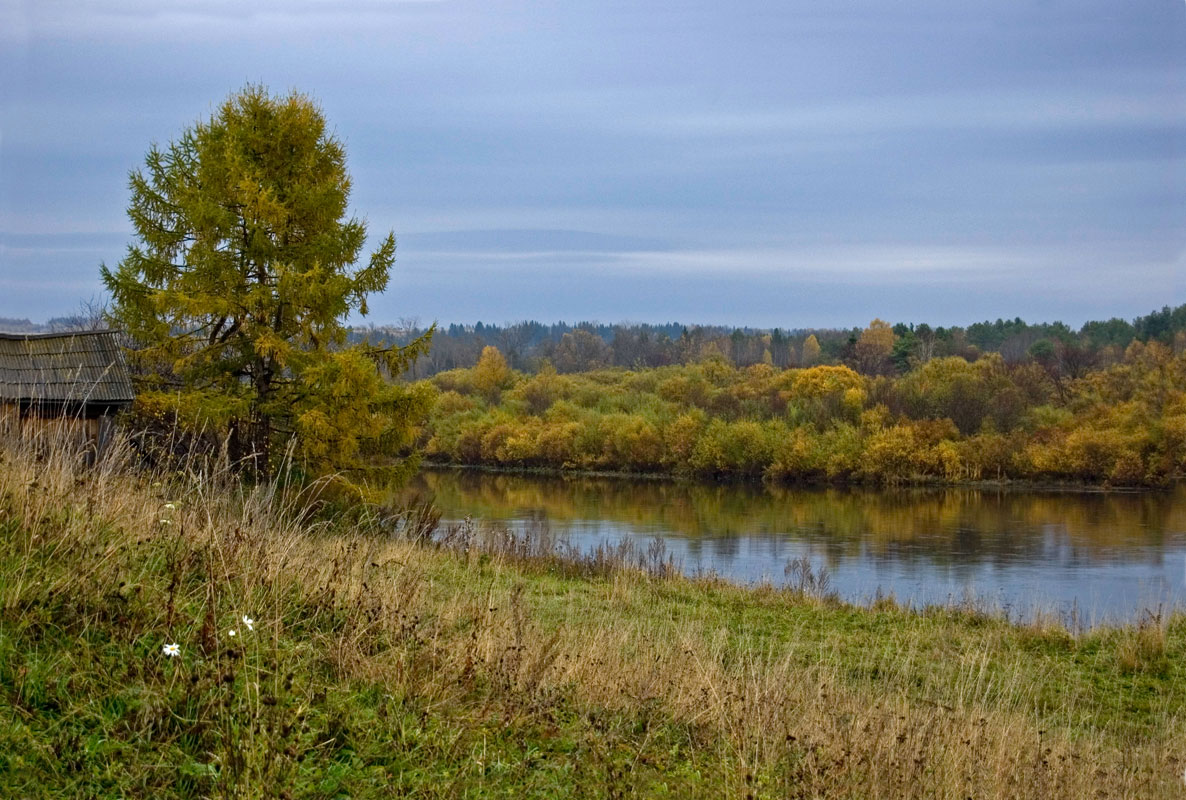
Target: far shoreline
x,y
1005,485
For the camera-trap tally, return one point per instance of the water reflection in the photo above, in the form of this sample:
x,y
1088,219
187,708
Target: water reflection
x,y
1098,556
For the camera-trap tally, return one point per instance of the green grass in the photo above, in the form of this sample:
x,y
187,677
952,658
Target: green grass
x,y
491,667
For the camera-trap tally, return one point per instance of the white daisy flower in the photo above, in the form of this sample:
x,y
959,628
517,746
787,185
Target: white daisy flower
x,y
171,650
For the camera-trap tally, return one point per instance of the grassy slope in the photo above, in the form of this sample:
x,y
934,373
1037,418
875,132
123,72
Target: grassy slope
x,y
486,669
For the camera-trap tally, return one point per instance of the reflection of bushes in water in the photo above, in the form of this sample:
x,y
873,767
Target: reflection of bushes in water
x,y
536,544
855,518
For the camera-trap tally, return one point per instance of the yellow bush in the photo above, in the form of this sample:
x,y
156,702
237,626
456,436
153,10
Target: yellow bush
x,y
451,402
826,393
632,443
738,448
455,380
681,436
491,374
843,447
557,443
947,461
890,454
798,456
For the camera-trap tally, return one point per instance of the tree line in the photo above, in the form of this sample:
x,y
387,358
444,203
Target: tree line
x,y
879,349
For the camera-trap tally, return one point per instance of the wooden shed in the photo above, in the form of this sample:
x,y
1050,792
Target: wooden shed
x,y
74,382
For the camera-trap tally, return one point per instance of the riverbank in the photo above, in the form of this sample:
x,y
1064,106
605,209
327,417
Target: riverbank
x,y
915,482
477,664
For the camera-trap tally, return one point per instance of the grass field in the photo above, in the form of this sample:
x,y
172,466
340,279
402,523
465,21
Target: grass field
x,y
383,659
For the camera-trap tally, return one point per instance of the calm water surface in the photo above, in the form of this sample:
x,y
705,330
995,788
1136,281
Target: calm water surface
x,y
1088,557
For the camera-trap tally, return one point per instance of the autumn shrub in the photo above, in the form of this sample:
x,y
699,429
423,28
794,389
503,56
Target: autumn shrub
x,y
680,438
947,419
460,381
557,444
799,456
718,372
724,404
685,390
632,442
989,455
520,446
945,460
1169,448
891,455
451,402
843,445
643,381
1088,452
494,439
592,444
469,441
734,448
826,393
491,375
537,395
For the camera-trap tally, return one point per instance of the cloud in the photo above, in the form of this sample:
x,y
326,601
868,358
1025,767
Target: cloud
x,y
548,151
141,20
516,242
1013,111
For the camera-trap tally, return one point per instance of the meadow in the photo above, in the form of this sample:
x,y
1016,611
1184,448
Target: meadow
x,y
324,650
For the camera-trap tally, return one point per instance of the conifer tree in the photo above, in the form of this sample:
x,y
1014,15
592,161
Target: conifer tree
x,y
236,294
811,350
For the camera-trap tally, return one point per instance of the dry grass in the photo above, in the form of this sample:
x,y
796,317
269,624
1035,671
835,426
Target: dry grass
x,y
471,662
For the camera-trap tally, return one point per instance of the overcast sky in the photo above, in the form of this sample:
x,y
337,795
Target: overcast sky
x,y
783,163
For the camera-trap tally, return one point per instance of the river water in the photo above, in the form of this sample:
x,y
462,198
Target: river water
x,y
1085,557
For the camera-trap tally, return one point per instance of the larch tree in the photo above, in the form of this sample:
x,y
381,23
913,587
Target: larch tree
x,y
491,373
236,294
811,350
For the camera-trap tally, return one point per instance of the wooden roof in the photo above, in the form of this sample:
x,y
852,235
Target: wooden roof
x,y
74,367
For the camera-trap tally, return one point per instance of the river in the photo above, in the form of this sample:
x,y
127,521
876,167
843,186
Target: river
x,y
1086,557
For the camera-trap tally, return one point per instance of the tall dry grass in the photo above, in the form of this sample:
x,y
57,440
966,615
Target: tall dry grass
x,y
626,677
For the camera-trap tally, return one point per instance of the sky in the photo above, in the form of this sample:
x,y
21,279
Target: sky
x,y
783,163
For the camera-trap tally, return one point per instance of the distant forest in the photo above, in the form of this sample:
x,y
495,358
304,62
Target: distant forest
x,y
589,346
586,346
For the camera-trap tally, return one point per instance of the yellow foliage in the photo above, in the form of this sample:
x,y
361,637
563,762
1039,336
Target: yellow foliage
x,y
451,402
890,454
811,351
681,436
946,460
874,419
557,444
491,375
874,346
494,439
853,402
632,443
798,456
826,393
1125,423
